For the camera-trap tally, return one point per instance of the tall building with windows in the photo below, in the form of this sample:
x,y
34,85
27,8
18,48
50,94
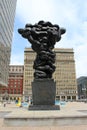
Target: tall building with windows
x,y
64,76
7,14
29,56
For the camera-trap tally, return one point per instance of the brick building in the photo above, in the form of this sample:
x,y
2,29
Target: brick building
x,y
15,84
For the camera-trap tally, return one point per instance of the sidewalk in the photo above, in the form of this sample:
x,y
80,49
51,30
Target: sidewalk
x,y
71,108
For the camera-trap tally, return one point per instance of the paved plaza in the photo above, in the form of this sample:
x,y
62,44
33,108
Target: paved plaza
x,y
70,109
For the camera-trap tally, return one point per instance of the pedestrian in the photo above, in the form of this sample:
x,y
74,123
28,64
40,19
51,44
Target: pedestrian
x,y
4,104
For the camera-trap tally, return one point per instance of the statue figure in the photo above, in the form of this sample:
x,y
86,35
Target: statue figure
x,y
43,36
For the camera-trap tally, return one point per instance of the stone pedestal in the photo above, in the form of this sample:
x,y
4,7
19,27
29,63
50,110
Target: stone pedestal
x,y
43,95
43,92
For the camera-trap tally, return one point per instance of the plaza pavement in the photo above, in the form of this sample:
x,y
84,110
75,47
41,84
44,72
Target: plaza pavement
x,y
71,108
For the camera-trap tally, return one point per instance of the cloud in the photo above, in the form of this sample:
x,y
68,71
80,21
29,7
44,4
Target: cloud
x,y
53,10
32,11
81,62
17,59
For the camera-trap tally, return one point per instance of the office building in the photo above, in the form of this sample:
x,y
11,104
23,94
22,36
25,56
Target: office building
x,y
82,87
29,56
64,76
7,14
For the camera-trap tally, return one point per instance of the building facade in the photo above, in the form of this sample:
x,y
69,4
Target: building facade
x,y
15,84
29,57
82,87
7,14
64,76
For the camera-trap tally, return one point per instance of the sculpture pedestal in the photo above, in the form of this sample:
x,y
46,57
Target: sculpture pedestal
x,y
44,107
43,95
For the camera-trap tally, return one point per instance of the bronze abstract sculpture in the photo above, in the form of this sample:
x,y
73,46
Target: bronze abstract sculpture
x,y
43,37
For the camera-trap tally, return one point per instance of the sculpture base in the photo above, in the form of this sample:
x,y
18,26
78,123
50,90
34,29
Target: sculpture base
x,y
44,107
43,92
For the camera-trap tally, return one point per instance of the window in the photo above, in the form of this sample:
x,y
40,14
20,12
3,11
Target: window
x,y
18,91
14,91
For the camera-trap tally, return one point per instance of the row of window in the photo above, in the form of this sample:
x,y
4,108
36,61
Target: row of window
x,y
16,69
11,91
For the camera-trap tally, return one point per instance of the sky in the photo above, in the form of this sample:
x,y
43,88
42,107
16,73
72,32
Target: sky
x,y
70,14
